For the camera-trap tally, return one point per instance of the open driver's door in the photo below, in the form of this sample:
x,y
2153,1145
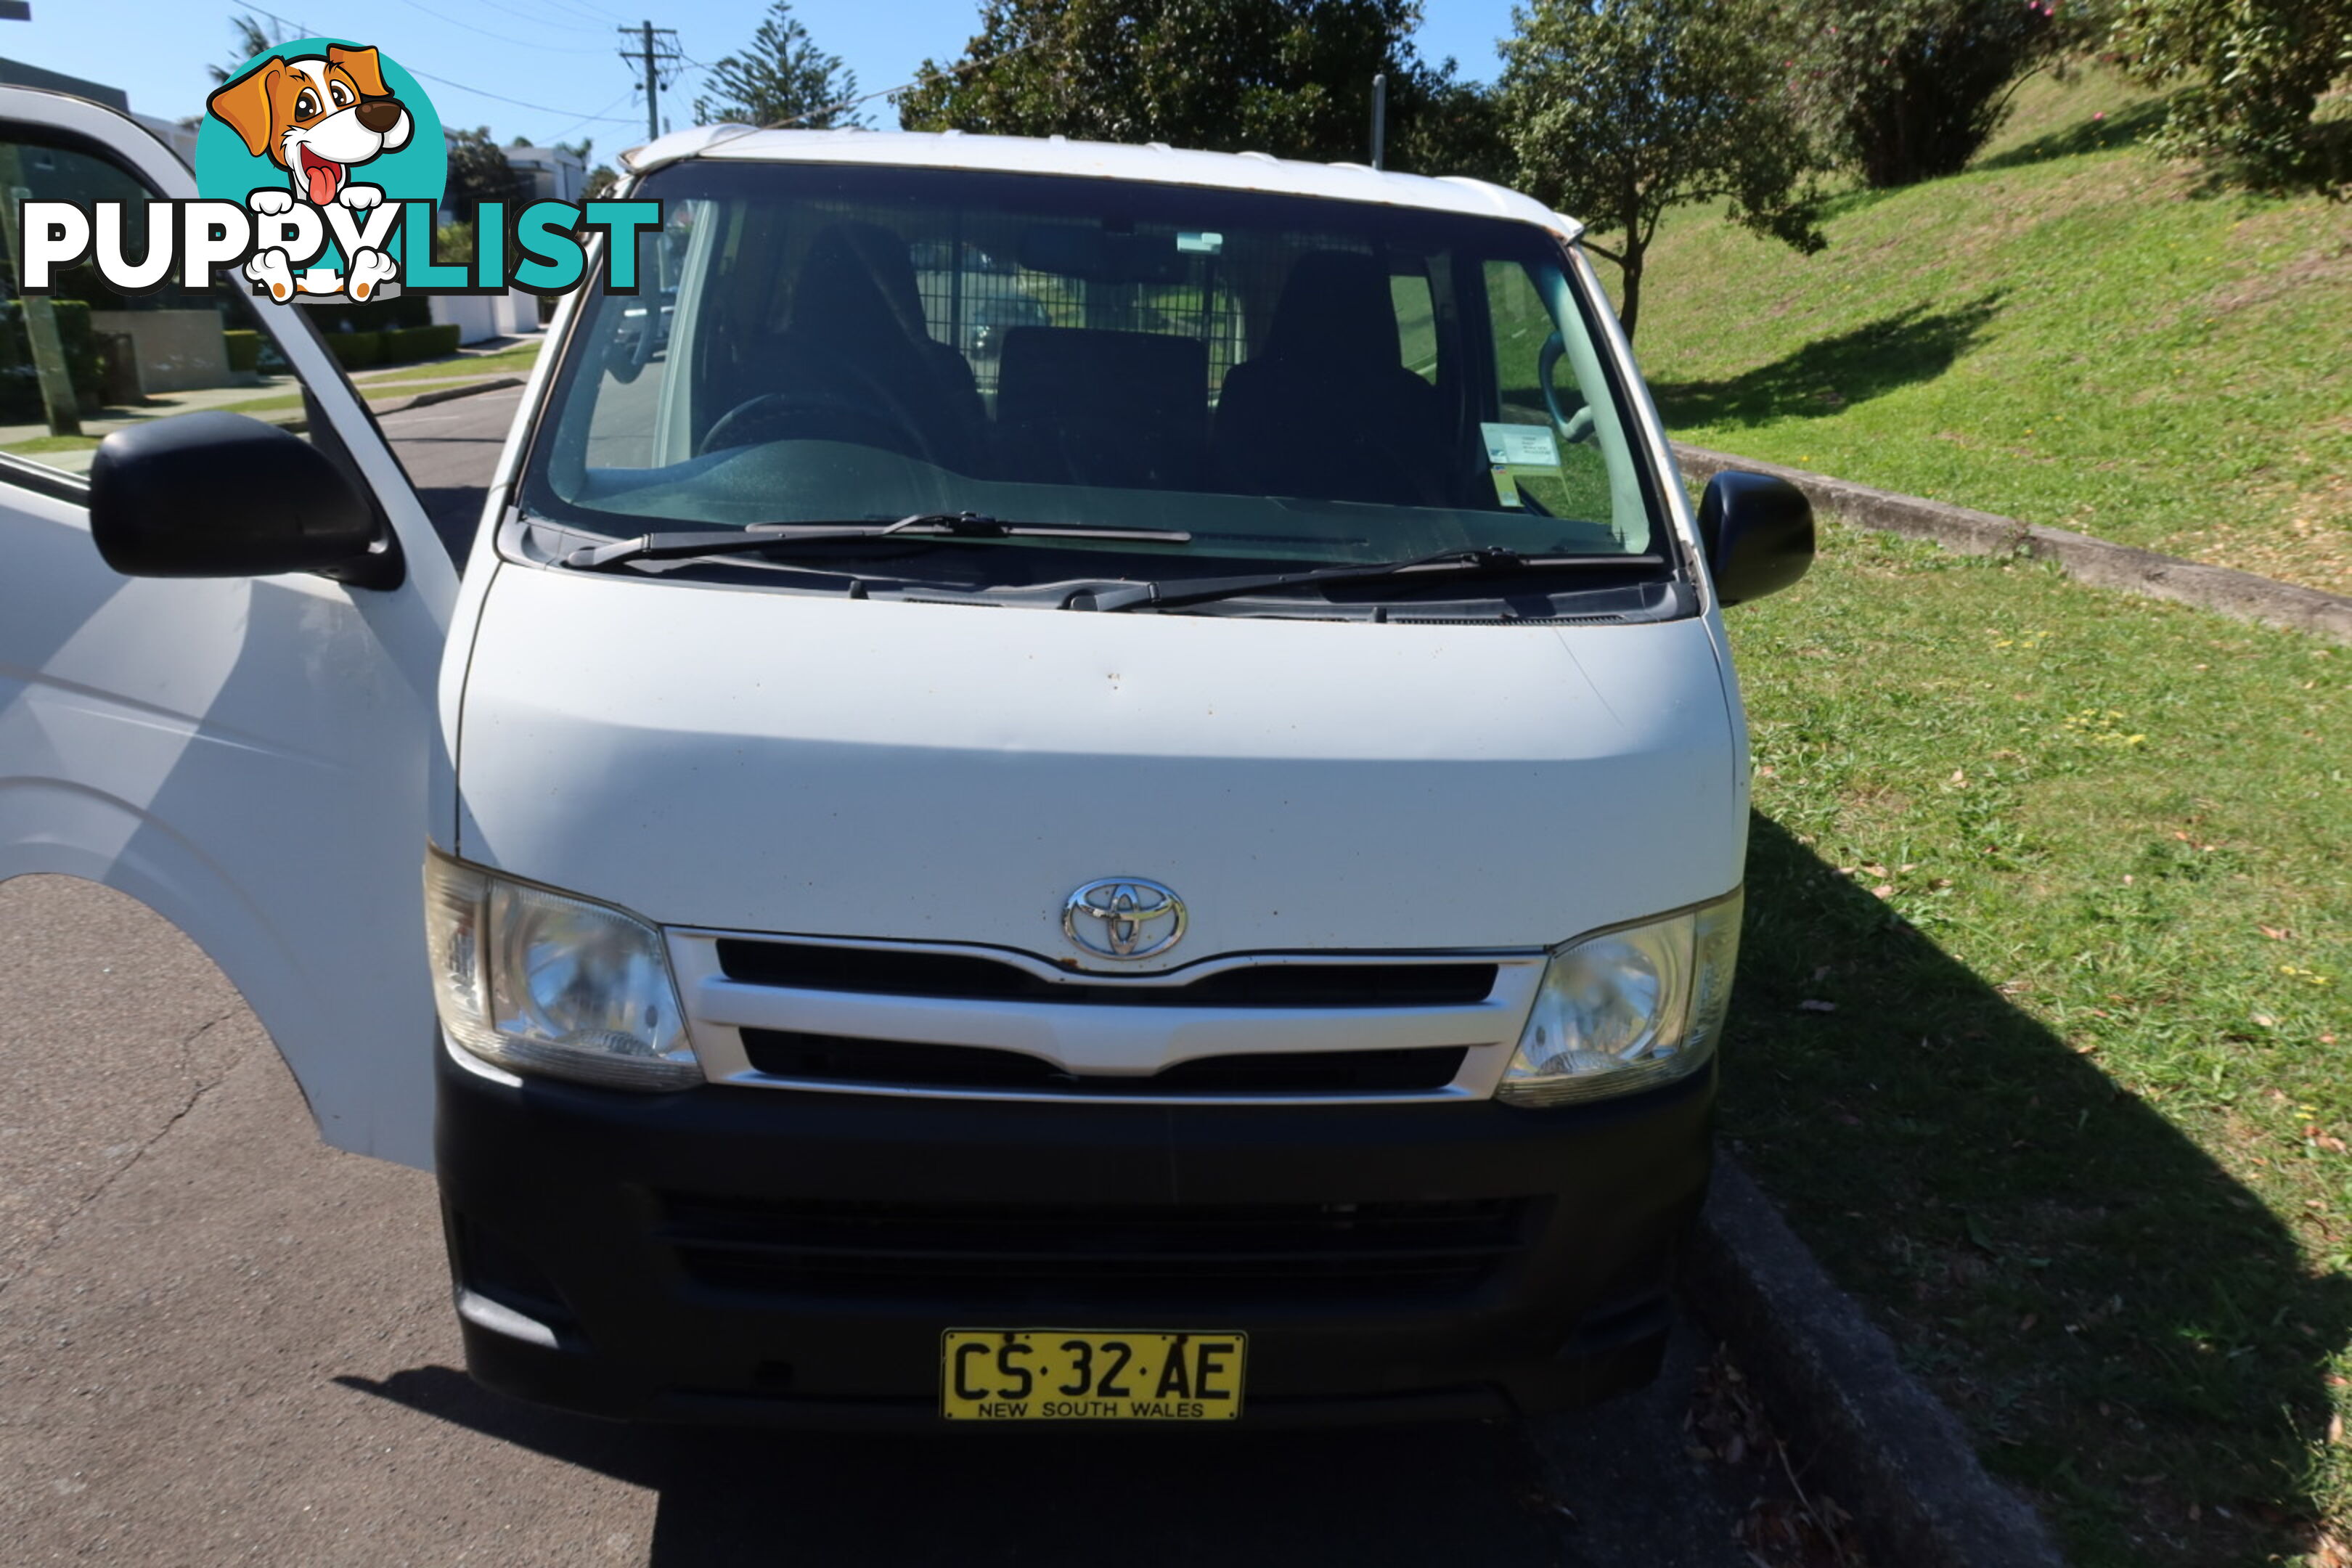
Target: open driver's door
x,y
247,757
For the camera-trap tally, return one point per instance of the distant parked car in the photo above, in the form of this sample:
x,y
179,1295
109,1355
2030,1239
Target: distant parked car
x,y
989,317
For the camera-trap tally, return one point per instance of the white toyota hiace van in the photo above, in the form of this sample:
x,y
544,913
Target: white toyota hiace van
x,y
1186,866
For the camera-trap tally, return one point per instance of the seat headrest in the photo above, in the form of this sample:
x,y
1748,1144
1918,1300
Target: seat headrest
x,y
857,286
1335,312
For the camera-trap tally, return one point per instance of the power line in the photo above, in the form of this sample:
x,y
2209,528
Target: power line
x,y
502,37
293,29
518,102
600,115
582,7
572,25
302,30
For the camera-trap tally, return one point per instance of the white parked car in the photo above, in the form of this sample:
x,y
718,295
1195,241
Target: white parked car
x,y
1203,888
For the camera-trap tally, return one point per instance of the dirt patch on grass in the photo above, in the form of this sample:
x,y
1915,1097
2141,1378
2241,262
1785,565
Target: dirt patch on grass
x,y
2304,273
2311,546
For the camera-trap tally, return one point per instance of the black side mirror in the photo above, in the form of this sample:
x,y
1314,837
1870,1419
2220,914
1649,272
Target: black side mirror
x,y
221,495
1758,533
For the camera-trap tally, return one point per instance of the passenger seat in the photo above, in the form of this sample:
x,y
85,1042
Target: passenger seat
x,y
1326,409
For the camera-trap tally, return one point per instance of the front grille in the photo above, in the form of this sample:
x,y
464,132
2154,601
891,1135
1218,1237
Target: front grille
x,y
886,972
909,1064
1158,1255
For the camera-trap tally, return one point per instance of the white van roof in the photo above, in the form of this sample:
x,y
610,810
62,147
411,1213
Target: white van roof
x,y
1155,161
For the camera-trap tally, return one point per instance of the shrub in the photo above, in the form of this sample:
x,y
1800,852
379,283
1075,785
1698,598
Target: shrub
x,y
453,243
1904,90
2251,73
412,343
355,350
244,348
396,347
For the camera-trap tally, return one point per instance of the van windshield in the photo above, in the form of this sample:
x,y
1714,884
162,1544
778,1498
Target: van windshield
x,y
1285,381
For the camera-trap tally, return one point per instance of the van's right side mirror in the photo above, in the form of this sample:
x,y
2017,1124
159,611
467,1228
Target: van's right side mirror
x,y
1758,533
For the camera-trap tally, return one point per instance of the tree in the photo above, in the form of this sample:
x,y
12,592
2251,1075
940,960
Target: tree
x,y
782,76
1288,77
1619,109
1904,90
479,172
2251,75
1455,127
252,38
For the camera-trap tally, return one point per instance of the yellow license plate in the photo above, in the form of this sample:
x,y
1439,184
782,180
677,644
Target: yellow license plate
x,y
1083,1374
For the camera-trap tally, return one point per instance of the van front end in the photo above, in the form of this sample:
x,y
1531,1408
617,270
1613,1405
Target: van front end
x,y
730,1253
1403,1080
1184,868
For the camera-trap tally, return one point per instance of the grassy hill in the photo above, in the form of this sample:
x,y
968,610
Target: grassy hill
x,y
2042,1038
2070,333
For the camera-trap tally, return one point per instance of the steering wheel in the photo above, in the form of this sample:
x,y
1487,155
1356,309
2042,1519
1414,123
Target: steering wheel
x,y
776,416
1576,427
637,348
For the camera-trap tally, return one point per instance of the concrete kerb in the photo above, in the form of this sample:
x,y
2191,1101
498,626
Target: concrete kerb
x,y
1863,1429
2242,595
298,423
442,395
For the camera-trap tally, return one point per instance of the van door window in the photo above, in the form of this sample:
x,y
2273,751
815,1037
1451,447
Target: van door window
x,y
1568,466
86,359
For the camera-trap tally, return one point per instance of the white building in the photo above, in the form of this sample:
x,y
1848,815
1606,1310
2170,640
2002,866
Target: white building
x,y
548,173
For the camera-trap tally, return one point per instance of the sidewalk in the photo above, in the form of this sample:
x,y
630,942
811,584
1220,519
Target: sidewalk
x,y
277,399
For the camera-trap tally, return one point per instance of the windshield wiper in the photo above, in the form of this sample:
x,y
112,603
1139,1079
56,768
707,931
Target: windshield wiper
x,y
947,526
1449,563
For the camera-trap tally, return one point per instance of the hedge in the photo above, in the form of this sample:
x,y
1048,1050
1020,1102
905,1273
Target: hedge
x,y
412,343
355,350
244,348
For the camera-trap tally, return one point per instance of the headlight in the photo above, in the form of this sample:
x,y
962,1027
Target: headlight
x,y
1627,1009
541,983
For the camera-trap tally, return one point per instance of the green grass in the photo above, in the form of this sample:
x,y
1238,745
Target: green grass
x,y
2044,1026
2070,333
505,362
40,444
372,390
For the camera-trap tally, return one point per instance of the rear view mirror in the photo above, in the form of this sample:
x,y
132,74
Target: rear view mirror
x,y
1084,251
1758,533
221,495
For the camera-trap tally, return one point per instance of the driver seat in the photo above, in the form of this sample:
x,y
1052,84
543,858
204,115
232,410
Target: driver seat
x,y
1327,410
857,363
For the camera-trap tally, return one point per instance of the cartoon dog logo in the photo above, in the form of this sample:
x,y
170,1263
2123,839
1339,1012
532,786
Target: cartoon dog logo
x,y
317,117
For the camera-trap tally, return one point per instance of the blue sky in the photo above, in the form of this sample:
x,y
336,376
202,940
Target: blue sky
x,y
547,70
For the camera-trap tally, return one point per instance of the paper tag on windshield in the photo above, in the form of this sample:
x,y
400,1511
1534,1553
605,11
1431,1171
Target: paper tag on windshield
x,y
1520,446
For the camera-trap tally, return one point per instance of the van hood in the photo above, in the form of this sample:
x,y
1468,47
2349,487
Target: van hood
x,y
745,760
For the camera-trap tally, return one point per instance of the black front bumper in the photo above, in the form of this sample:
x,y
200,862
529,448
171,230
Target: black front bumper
x,y
752,1255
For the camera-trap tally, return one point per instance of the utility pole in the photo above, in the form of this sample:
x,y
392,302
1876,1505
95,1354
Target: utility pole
x,y
657,47
59,399
1379,116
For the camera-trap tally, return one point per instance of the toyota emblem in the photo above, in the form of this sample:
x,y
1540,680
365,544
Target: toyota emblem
x,y
1123,918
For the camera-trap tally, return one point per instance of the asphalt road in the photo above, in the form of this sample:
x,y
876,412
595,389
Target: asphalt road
x,y
221,1341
